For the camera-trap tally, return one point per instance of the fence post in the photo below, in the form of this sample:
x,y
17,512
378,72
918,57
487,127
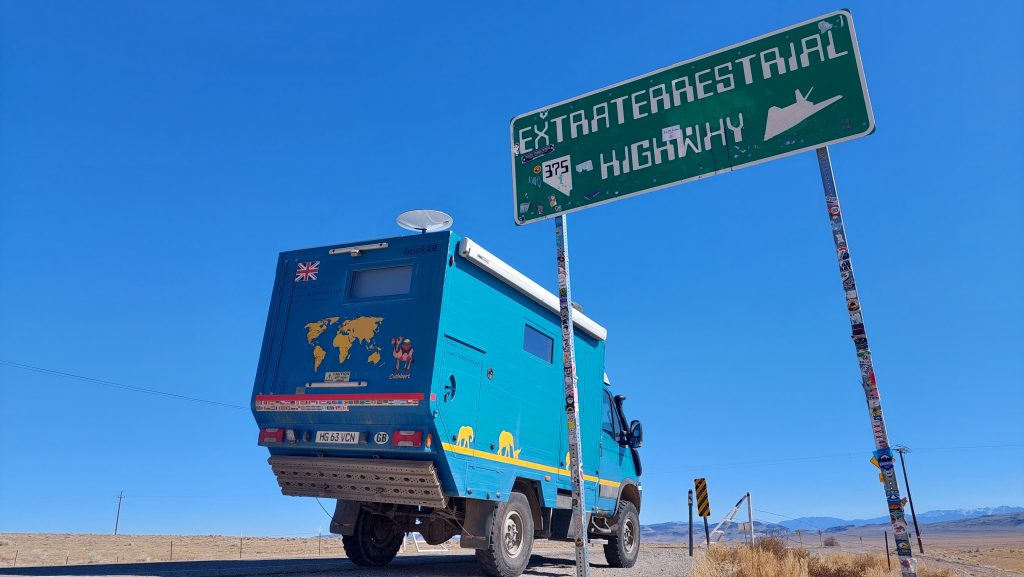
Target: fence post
x,y
887,558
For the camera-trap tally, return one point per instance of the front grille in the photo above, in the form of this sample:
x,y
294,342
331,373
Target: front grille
x,y
369,480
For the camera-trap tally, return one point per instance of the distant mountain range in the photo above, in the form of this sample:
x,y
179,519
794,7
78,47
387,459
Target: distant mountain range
x,y
823,523
956,519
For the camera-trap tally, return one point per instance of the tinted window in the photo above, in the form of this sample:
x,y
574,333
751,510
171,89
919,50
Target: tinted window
x,y
537,343
380,282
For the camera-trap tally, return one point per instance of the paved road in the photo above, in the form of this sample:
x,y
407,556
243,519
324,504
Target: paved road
x,y
554,562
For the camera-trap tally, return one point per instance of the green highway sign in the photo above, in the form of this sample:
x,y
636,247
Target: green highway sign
x,y
792,90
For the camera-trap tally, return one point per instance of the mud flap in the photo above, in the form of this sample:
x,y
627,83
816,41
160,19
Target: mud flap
x,y
477,526
345,515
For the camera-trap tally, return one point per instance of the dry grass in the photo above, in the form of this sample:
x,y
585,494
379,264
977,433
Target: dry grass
x,y
771,558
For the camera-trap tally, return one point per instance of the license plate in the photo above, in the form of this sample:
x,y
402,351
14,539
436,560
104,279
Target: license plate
x,y
342,437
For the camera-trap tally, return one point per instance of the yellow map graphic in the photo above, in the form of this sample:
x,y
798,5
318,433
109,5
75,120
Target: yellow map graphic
x,y
360,330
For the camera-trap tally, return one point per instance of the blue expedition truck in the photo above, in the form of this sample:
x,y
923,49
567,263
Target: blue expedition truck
x,y
418,381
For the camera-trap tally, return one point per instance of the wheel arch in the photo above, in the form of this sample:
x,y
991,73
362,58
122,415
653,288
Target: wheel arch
x,y
630,492
531,488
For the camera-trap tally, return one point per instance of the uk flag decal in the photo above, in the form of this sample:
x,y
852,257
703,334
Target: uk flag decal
x,y
306,271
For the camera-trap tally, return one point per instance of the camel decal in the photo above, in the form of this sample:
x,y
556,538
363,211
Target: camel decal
x,y
402,351
465,437
506,445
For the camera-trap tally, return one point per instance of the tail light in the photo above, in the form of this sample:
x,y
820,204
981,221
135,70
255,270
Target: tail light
x,y
271,435
407,438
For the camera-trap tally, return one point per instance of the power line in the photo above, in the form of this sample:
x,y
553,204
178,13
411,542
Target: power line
x,y
118,385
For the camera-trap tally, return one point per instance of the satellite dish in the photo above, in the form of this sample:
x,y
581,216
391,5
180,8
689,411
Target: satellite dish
x,y
424,220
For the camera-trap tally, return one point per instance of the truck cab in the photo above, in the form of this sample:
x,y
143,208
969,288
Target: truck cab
x,y
417,380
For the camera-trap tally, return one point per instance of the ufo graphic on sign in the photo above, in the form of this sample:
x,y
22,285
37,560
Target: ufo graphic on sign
x,y
782,119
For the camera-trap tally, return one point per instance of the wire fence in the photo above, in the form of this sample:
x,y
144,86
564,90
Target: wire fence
x,y
45,549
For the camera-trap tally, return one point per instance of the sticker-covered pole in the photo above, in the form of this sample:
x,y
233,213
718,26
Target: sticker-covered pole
x,y
883,454
572,414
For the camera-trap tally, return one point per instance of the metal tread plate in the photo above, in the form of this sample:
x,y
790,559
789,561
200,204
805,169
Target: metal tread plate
x,y
371,480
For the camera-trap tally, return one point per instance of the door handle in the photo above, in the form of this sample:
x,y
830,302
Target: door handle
x,y
449,389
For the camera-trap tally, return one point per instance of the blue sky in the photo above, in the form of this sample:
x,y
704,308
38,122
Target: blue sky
x,y
155,158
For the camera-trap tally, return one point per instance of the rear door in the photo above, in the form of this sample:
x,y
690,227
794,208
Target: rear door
x,y
351,334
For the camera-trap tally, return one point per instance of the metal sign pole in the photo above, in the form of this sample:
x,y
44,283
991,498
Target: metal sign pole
x,y
689,499
908,565
750,517
572,415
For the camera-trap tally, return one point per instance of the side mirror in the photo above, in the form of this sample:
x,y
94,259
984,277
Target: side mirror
x,y
636,435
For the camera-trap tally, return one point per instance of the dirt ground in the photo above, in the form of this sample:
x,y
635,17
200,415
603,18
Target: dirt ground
x,y
968,555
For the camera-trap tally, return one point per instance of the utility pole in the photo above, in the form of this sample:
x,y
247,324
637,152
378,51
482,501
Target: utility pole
x,y
117,520
904,449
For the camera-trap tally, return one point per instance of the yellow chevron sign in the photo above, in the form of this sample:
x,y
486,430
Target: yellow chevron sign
x,y
703,508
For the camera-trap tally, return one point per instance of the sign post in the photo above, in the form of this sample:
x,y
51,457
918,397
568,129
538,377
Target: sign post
x,y
789,91
689,500
796,89
572,415
882,454
703,507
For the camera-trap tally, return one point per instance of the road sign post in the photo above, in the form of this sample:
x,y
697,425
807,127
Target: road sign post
x,y
689,500
703,506
792,90
882,454
572,415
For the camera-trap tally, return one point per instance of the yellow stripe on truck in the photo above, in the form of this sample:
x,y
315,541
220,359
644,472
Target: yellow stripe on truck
x,y
528,464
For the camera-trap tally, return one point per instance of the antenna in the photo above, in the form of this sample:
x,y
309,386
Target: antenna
x,y
424,220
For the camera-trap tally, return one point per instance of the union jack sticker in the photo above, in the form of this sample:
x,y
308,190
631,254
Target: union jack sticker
x,y
306,271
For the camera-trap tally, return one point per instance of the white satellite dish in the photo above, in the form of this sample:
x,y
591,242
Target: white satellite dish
x,y
424,220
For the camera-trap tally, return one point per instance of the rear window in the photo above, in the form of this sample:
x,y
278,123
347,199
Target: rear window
x,y
380,282
537,343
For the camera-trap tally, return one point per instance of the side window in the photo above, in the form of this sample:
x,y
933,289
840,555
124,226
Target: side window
x,y
537,343
609,422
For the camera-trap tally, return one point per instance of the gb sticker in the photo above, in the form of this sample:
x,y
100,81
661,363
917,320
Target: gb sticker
x,y
557,174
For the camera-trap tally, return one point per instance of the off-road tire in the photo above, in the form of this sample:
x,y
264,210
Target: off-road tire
x,y
623,546
375,542
511,539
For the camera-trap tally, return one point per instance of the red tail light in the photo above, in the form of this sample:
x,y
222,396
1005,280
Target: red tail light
x,y
271,435
407,438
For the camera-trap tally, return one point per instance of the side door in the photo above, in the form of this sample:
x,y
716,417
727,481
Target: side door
x,y
613,455
461,374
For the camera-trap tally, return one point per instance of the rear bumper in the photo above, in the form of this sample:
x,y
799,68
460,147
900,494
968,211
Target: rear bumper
x,y
369,480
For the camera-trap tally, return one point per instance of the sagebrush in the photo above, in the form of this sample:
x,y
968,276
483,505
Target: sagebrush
x,y
771,557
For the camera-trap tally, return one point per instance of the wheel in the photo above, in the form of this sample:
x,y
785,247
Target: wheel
x,y
376,541
624,545
511,538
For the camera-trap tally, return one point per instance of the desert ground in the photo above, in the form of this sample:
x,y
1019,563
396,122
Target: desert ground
x,y
967,555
